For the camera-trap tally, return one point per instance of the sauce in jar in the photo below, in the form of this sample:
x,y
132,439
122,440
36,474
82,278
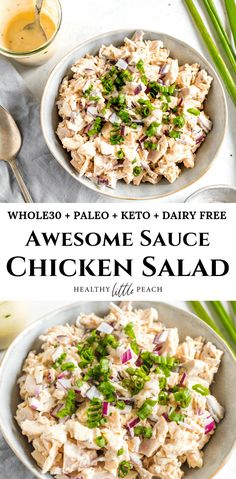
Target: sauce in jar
x,y
19,40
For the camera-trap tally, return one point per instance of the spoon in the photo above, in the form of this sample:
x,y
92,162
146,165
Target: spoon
x,y
10,145
36,25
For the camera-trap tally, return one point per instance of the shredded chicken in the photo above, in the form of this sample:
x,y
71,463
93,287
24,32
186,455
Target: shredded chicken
x,y
132,113
118,396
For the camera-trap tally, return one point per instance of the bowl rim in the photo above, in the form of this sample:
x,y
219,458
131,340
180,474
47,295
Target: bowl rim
x,y
91,186
46,317
210,187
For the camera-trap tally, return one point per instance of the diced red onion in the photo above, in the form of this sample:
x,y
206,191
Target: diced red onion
x,y
62,338
165,415
63,375
200,139
114,118
126,356
122,64
103,181
50,378
105,328
139,361
92,110
37,391
93,393
164,69
64,383
183,379
157,350
135,459
133,423
160,81
138,89
204,123
87,85
186,425
57,353
122,130
161,337
87,128
147,90
56,410
34,403
209,425
105,408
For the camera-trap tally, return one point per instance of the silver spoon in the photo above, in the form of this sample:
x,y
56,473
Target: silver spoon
x,y
10,145
36,25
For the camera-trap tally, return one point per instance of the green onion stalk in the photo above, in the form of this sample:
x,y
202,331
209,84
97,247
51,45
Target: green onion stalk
x,y
221,34
213,50
201,312
231,12
225,319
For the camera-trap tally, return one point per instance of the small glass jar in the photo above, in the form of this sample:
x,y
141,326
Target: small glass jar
x,y
9,9
14,317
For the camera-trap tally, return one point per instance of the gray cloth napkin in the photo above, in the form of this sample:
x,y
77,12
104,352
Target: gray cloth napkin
x,y
10,466
46,180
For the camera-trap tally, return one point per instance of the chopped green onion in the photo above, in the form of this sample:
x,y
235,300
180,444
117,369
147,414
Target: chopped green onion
x,y
135,347
94,414
107,389
179,121
194,111
183,397
162,383
165,107
121,405
68,366
70,405
174,134
137,170
152,128
140,66
120,154
59,361
149,145
88,91
146,432
100,441
94,98
116,138
145,109
124,468
163,398
176,417
201,389
120,451
96,128
129,330
146,409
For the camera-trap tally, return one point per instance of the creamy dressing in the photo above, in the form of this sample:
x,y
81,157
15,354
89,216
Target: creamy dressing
x,y
14,317
19,40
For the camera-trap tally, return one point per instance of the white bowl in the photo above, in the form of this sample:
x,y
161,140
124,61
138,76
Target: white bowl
x,y
220,445
215,106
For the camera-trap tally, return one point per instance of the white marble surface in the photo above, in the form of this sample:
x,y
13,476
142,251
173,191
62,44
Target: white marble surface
x,y
82,20
38,309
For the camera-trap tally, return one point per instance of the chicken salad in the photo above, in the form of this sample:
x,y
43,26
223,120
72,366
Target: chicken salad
x,y
119,396
132,113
